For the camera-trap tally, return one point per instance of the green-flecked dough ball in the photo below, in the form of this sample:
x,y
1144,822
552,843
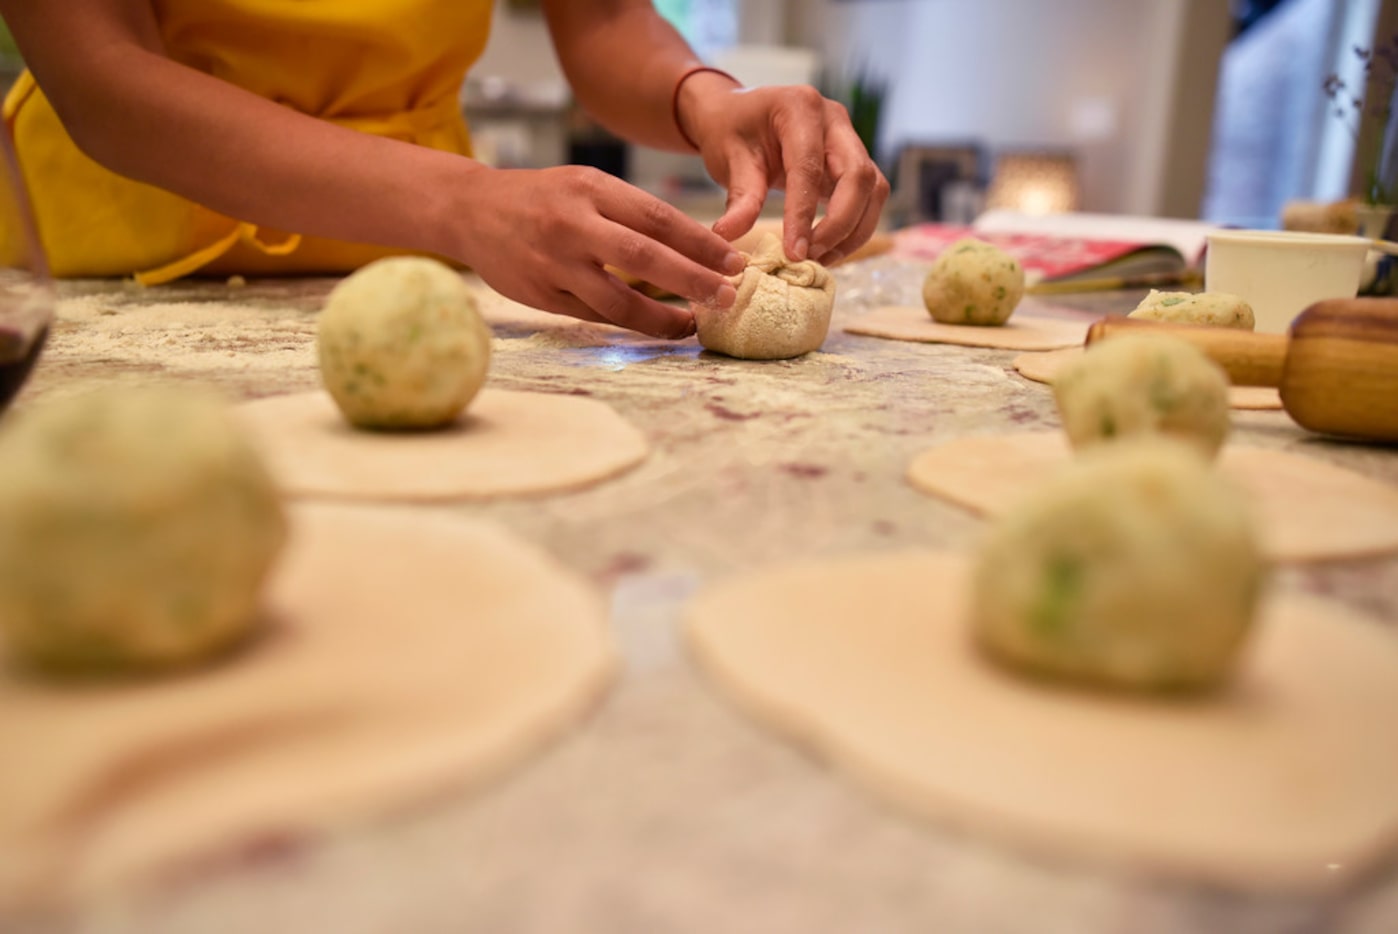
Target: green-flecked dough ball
x,y
1137,567
136,528
1213,309
1138,384
402,345
973,282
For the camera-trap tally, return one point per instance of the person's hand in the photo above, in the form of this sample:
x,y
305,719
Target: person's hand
x,y
790,138
544,236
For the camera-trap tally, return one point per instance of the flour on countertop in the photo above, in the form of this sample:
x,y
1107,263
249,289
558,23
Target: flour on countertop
x,y
185,335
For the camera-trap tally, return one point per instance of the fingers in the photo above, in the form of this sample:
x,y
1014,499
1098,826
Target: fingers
x,y
858,197
664,231
544,236
653,262
650,239
862,231
669,322
621,305
800,126
747,190
564,303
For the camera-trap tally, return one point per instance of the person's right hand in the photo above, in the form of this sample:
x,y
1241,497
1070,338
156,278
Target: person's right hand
x,y
544,236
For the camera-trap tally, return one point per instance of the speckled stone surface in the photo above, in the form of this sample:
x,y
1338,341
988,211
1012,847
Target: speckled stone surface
x,y
668,811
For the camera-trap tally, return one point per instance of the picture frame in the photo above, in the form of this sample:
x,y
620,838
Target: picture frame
x,y
923,171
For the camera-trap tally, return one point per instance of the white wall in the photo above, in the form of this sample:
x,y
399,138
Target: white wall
x,y
1094,75
519,49
1099,76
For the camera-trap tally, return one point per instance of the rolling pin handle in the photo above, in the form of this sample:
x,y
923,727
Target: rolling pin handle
x,y
1249,359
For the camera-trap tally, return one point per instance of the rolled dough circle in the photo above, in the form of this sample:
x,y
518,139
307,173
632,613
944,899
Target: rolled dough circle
x,y
1307,510
507,444
1024,331
1284,781
1043,366
407,655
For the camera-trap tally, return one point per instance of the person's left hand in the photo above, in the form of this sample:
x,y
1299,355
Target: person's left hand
x,y
791,138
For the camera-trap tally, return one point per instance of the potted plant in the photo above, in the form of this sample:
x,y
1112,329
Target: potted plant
x,y
863,93
1368,113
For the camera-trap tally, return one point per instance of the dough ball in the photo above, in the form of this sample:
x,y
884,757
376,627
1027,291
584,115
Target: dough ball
x,y
783,308
402,345
1137,567
136,528
973,282
1142,384
1215,309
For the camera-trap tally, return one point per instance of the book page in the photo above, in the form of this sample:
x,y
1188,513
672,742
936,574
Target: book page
x,y
1186,236
1049,257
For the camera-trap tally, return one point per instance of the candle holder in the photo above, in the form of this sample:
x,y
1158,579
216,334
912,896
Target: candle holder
x,y
1035,183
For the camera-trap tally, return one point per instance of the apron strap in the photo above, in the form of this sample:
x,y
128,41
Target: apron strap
x,y
242,233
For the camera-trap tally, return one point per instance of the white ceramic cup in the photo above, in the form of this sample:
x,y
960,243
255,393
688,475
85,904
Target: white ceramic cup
x,y
1280,272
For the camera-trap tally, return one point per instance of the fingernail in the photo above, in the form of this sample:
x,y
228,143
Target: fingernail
x,y
734,263
801,248
682,330
725,296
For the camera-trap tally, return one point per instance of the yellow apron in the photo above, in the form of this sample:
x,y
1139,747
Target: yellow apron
x,y
388,67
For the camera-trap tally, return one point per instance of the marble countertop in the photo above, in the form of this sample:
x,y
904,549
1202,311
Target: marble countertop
x,y
667,810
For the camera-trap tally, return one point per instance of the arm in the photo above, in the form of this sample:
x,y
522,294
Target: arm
x,y
540,237
135,111
624,61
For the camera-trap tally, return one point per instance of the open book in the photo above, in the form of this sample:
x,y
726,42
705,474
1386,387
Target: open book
x,y
1076,248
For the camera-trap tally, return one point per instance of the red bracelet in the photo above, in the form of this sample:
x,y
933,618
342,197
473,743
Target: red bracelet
x,y
675,98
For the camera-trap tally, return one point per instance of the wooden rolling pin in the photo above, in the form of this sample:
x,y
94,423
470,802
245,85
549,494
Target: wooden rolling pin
x,y
1337,371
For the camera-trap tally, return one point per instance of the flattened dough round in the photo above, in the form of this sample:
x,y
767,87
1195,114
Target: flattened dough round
x,y
1043,366
1024,331
507,444
868,660
408,654
1307,510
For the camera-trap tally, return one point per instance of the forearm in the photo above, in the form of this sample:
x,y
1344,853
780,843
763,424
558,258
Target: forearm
x,y
249,158
149,118
545,237
623,61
